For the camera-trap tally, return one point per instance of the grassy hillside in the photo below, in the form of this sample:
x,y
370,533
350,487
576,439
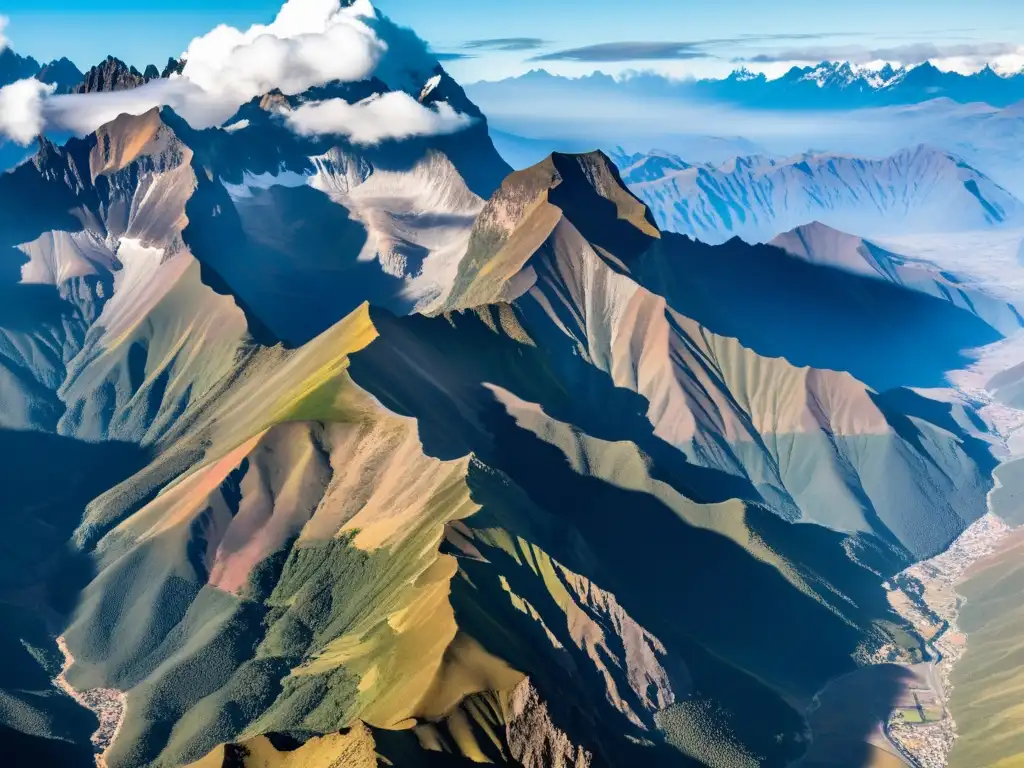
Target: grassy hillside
x,y
988,681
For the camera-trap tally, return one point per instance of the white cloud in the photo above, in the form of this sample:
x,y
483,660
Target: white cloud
x,y
3,25
1010,63
21,115
309,43
84,113
393,115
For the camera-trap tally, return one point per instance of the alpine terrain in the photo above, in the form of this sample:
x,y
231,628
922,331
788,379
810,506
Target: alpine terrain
x,y
329,440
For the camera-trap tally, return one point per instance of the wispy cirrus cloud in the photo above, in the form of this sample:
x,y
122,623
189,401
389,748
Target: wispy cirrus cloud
x,y
507,44
647,50
910,53
452,55
472,49
627,51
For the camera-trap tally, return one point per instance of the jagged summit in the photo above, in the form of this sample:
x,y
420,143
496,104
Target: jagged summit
x,y
173,66
584,190
112,74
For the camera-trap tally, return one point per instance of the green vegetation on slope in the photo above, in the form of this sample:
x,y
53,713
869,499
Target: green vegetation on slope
x,y
988,681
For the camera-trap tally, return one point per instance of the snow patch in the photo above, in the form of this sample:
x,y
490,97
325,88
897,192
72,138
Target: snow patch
x,y
252,182
236,126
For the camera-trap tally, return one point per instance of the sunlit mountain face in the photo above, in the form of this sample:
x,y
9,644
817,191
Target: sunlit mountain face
x,y
349,417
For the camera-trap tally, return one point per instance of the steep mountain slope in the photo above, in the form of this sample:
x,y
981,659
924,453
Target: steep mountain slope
x,y
380,223
702,389
576,511
756,198
540,454
828,247
388,647
110,330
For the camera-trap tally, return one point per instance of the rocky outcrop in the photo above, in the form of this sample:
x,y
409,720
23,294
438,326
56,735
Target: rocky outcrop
x,y
535,741
113,75
173,67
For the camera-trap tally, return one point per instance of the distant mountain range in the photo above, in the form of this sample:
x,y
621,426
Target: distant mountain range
x,y
917,190
828,85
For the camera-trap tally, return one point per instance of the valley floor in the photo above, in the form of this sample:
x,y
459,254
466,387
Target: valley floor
x,y
925,595
108,705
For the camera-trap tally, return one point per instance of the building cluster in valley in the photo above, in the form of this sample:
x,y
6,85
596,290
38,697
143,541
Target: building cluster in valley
x,y
925,595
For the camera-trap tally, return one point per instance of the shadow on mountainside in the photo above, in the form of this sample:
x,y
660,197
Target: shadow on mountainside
x,y
47,481
435,369
289,254
750,638
849,711
781,306
901,405
25,307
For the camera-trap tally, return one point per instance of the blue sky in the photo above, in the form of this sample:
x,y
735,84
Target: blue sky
x,y
701,37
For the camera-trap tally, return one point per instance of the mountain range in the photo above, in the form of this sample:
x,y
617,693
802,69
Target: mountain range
x,y
111,74
920,190
330,453
440,461
536,114
825,86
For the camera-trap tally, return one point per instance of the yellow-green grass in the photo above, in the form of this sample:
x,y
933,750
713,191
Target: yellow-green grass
x,y
988,682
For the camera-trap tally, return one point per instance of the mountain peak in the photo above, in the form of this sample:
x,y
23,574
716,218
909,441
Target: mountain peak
x,y
62,73
582,181
112,74
584,190
743,75
173,67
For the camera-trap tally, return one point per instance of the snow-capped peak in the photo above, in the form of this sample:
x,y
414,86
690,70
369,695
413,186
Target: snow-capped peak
x,y
843,74
831,73
742,75
885,77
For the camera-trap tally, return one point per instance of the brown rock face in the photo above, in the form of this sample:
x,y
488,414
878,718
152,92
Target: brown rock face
x,y
533,739
112,75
